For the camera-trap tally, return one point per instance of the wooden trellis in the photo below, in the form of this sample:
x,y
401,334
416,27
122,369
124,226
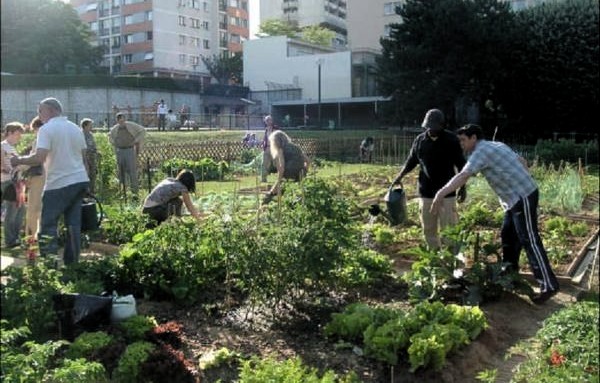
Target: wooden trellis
x,y
394,150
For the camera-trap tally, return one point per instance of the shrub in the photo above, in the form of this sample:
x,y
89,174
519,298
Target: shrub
x,y
136,327
85,344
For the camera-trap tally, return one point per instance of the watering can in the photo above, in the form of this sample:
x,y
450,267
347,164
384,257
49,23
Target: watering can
x,y
395,200
90,219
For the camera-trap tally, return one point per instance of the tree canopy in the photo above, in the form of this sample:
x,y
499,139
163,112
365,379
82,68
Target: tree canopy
x,y
534,69
45,36
227,70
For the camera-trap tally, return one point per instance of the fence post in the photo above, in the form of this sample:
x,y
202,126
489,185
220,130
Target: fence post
x,y
148,173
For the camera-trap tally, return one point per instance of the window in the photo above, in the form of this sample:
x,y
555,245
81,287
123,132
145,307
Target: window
x,y
149,35
128,19
234,3
390,8
245,5
235,38
94,26
195,23
194,60
205,44
196,4
127,59
181,21
91,7
205,25
127,39
387,30
116,42
205,5
149,56
182,58
181,39
149,15
195,41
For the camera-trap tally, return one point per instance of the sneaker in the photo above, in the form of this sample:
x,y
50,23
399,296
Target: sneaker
x,y
540,298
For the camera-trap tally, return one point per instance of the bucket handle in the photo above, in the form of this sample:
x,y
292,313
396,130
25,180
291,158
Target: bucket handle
x,y
93,197
391,188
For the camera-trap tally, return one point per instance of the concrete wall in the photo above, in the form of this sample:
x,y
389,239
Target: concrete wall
x,y
96,103
267,60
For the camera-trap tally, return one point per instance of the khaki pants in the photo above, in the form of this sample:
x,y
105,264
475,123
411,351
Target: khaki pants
x,y
35,187
433,223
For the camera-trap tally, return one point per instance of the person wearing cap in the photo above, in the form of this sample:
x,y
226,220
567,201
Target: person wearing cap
x,y
127,138
61,148
91,153
507,174
439,156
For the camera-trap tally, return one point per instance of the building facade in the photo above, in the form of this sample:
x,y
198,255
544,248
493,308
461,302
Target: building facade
x,y
165,38
330,14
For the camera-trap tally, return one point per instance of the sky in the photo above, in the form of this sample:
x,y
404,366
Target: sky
x,y
254,17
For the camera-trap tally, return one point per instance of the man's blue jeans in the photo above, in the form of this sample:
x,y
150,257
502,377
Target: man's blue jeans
x,y
64,201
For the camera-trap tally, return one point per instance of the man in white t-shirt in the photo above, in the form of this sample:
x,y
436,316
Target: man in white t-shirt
x,y
61,148
161,112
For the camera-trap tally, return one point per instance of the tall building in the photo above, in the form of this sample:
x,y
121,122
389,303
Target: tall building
x,y
369,21
302,13
165,38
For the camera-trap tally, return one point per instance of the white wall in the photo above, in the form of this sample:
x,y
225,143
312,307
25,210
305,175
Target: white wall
x,y
266,59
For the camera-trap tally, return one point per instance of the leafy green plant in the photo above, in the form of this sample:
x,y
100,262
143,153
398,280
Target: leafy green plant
x,y
166,364
290,370
121,226
23,360
205,169
565,348
27,297
86,343
130,362
79,371
137,326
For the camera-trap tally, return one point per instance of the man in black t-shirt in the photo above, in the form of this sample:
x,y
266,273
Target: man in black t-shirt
x,y
438,153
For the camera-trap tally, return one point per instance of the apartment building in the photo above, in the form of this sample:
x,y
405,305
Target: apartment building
x,y
165,37
302,13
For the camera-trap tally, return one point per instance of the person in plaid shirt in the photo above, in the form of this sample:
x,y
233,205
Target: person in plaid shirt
x,y
507,174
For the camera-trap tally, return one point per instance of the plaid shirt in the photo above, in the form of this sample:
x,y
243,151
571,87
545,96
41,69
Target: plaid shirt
x,y
502,169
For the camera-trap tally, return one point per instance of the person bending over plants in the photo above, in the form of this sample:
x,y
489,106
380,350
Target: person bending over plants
x,y
289,160
164,200
507,174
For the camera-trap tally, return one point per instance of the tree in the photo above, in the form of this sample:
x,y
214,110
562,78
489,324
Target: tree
x,y
444,51
275,27
45,36
317,35
554,87
225,69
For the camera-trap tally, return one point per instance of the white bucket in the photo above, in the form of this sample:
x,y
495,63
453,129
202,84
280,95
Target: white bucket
x,y
122,308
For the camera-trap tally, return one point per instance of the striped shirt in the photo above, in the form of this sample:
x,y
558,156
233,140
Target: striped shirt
x,y
502,169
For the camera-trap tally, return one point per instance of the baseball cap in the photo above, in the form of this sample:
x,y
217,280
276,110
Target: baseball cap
x,y
434,118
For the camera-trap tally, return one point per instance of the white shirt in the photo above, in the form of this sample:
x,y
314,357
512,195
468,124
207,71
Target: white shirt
x,y
65,143
162,109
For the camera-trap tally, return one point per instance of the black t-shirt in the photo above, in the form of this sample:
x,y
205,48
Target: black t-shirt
x,y
439,160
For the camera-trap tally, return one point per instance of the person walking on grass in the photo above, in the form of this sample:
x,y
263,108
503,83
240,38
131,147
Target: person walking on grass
x,y
438,154
61,148
507,174
127,138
